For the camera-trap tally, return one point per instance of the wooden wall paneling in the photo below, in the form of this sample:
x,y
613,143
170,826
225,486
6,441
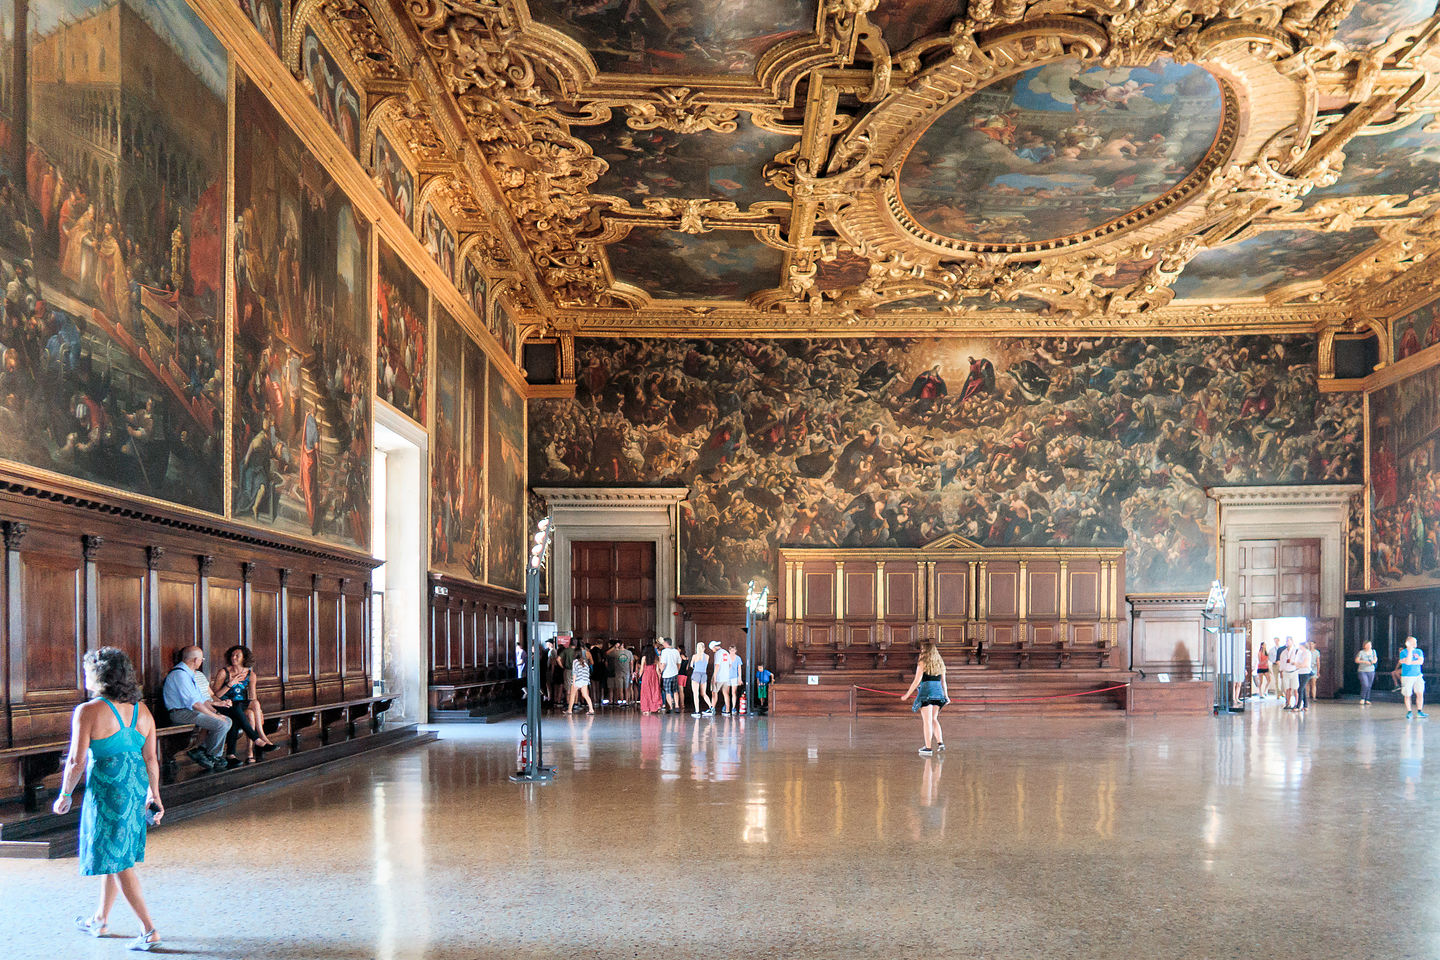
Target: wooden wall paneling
x,y
952,590
265,637
329,684
356,628
179,598
901,594
1003,589
300,616
819,591
1043,590
454,638
860,593
122,607
5,735
53,636
225,612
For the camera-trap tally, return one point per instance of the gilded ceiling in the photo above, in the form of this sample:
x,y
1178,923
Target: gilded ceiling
x,y
678,166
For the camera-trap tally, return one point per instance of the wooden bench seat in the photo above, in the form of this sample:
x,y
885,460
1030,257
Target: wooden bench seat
x,y
37,760
467,696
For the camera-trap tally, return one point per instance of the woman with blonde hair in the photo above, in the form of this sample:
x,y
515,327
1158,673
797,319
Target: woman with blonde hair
x,y
928,688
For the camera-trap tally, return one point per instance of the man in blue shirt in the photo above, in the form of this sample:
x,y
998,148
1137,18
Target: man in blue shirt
x,y
187,697
1412,681
763,678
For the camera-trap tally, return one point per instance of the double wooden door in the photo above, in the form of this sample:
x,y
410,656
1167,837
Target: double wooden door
x,y
1281,578
612,590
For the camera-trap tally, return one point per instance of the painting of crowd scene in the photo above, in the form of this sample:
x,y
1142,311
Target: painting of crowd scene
x,y
1404,162
1076,442
1060,149
1269,262
112,210
507,485
472,288
720,265
270,18
503,326
1405,482
663,163
1374,21
1416,330
457,451
401,336
301,422
331,92
438,240
1355,543
678,36
395,180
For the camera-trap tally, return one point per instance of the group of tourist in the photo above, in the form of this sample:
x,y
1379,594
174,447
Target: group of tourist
x,y
1292,670
657,677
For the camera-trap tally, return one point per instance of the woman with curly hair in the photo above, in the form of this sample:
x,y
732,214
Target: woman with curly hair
x,y
236,698
115,752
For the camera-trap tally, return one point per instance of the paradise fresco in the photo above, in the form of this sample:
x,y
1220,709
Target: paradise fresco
x,y
663,163
1373,21
112,336
301,421
1405,482
1418,329
438,239
677,36
396,183
472,288
1404,162
1269,261
270,18
1083,441
457,452
507,485
1060,149
1355,543
720,265
401,332
331,92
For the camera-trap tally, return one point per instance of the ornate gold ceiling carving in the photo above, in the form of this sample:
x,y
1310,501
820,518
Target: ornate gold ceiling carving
x,y
789,148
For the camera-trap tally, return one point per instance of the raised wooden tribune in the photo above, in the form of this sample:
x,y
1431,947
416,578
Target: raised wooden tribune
x,y
1012,623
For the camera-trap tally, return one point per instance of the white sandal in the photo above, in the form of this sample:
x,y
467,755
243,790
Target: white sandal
x,y
143,943
90,926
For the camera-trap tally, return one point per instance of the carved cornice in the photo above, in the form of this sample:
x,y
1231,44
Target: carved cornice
x,y
611,498
1320,494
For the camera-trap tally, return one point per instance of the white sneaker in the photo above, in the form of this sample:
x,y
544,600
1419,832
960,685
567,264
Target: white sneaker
x,y
926,752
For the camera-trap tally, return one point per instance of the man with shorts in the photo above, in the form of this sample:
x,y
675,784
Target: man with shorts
x,y
1412,682
619,659
670,675
1289,675
731,686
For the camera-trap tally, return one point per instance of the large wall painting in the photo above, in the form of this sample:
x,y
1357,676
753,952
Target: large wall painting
x,y
720,265
1416,330
507,485
331,92
1405,482
896,442
402,339
1060,149
457,445
678,36
112,337
302,353
271,18
503,326
1268,262
395,179
438,240
473,288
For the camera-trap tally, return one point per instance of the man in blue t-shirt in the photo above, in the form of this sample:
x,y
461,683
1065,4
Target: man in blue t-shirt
x,y
1412,680
763,678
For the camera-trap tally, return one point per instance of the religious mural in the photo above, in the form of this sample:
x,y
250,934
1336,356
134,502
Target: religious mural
x,y
1268,262
659,162
438,240
395,180
1060,149
1404,162
1373,21
506,472
457,453
331,92
678,36
472,288
301,423
1416,330
1405,482
1083,441
503,326
112,338
1355,543
720,265
402,342
271,18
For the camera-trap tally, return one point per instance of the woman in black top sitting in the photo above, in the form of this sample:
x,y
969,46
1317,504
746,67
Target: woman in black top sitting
x,y
236,698
930,695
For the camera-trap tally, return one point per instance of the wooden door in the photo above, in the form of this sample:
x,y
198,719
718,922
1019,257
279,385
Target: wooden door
x,y
1278,578
612,584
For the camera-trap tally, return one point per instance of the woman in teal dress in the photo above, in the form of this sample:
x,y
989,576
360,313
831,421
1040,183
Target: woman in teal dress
x,y
114,747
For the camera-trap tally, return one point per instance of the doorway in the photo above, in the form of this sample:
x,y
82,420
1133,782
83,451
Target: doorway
x,y
612,590
398,538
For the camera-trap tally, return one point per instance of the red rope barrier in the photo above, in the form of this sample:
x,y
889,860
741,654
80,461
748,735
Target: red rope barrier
x,y
1057,696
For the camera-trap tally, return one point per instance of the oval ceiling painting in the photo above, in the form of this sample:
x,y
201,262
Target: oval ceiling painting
x,y
1060,150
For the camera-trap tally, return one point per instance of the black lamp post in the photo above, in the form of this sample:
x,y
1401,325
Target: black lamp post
x,y
534,771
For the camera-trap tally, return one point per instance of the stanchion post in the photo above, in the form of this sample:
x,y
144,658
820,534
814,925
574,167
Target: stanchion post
x,y
535,771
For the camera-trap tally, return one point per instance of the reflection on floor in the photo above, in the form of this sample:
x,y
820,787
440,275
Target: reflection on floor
x,y
670,837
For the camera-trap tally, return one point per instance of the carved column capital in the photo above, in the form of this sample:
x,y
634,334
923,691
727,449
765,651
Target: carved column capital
x,y
315,579
15,531
247,570
153,556
90,546
284,576
207,563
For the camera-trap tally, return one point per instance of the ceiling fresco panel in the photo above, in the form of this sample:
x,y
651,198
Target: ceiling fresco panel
x,y
677,36
1371,23
658,162
902,22
723,265
1268,261
1402,162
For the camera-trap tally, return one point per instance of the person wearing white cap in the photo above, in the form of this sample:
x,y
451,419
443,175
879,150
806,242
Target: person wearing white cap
x,y
719,668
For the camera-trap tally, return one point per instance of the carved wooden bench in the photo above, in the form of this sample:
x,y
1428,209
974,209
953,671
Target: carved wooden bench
x,y
37,760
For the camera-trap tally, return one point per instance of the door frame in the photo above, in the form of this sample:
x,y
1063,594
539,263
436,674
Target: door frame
x,y
1292,512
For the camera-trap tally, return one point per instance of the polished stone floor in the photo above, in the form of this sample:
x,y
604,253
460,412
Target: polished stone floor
x,y
1265,835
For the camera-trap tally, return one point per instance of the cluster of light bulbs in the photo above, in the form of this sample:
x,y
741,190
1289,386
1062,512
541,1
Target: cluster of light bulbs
x,y
757,602
542,543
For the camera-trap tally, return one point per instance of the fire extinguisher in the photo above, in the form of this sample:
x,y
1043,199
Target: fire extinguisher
x,y
522,753
742,703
